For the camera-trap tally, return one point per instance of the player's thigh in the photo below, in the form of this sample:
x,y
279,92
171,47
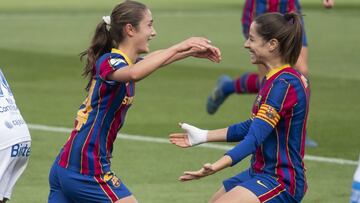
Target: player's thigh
x,y
129,199
238,195
218,194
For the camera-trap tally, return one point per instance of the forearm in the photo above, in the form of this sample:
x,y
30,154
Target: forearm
x,y
178,56
144,67
222,163
218,135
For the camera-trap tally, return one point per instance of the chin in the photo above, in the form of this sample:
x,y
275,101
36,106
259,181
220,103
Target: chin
x,y
144,51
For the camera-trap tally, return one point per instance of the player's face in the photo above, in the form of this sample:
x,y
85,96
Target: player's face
x,y
145,32
257,46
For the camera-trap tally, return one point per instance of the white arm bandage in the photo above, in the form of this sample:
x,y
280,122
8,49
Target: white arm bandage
x,y
196,135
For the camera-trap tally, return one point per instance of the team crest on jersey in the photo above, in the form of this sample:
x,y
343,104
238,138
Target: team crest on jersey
x,y
115,181
116,61
270,112
111,177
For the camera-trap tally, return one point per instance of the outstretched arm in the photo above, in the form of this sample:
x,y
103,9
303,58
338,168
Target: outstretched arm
x,y
194,136
145,67
207,169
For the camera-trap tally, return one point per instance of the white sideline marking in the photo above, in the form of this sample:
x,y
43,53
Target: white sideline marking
x,y
213,146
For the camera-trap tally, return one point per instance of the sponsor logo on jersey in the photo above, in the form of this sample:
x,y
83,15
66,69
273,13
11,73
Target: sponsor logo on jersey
x,y
7,108
19,150
116,61
8,124
127,100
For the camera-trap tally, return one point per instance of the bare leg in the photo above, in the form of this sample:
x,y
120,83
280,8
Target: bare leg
x,y
129,199
238,195
218,194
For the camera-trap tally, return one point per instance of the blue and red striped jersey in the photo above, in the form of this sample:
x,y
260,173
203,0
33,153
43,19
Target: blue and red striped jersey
x,y
89,148
275,134
253,8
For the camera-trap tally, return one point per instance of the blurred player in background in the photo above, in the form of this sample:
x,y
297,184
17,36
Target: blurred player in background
x,y
355,193
81,172
250,82
276,132
15,141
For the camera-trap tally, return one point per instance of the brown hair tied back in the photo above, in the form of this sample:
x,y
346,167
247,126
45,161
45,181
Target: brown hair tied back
x,y
109,33
286,29
289,18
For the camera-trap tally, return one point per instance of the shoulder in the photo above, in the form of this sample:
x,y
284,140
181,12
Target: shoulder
x,y
111,60
291,77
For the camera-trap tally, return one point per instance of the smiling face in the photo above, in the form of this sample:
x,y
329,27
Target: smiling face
x,y
258,47
144,33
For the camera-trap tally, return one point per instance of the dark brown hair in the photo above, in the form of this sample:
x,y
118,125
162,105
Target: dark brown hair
x,y
110,36
287,29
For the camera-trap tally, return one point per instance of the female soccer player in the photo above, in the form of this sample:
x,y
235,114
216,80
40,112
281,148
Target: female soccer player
x,y
250,82
82,172
275,134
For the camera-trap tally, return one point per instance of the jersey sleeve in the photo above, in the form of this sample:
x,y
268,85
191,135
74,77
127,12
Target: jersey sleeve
x,y
110,65
281,97
264,122
238,131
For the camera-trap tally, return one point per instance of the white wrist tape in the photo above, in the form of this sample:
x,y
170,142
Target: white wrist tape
x,y
196,135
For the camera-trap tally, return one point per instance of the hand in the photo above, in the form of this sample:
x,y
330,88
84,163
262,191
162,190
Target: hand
x,y
206,170
328,3
200,43
191,137
212,53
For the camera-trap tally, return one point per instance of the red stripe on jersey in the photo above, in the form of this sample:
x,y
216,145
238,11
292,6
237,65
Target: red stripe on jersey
x,y
278,170
248,12
273,6
107,189
290,164
272,193
84,152
65,156
111,136
259,161
291,6
96,155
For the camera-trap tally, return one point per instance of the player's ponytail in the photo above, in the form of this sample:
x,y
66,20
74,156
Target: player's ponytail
x,y
292,45
109,33
286,29
100,44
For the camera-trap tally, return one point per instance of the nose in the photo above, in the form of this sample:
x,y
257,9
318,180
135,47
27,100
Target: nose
x,y
153,33
246,44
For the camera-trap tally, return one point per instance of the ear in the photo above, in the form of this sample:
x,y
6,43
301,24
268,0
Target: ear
x,y
273,44
129,30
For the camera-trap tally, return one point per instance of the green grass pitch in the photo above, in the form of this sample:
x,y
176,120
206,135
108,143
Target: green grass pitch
x,y
39,45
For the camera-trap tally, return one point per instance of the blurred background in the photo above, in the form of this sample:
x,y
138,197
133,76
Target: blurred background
x,y
40,42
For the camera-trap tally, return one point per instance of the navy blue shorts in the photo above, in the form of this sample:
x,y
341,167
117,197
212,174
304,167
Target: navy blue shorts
x,y
265,187
67,186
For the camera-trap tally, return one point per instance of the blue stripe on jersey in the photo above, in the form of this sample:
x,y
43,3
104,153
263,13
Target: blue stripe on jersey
x,y
91,148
